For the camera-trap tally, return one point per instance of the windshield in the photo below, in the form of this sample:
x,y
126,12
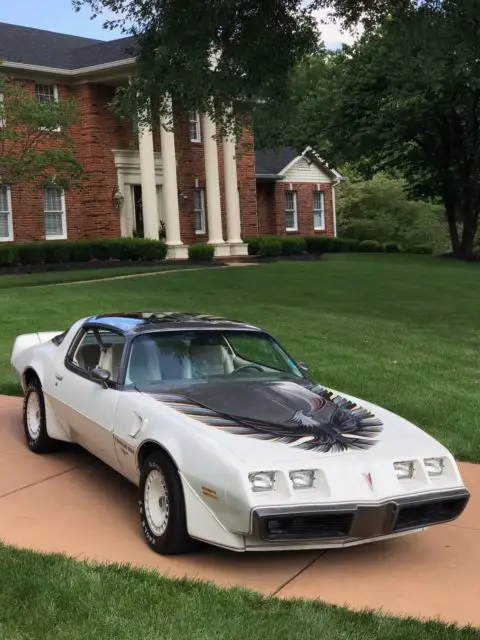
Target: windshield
x,y
191,356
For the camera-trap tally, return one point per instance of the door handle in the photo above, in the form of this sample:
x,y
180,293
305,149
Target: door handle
x,y
58,377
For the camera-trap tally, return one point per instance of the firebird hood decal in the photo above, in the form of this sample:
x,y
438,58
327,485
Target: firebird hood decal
x,y
300,414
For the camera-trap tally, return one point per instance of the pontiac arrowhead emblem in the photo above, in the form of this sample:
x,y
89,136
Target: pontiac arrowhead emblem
x,y
368,476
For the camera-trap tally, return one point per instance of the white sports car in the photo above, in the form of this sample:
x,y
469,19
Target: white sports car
x,y
227,439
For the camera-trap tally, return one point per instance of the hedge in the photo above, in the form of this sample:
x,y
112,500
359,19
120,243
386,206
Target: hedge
x,y
316,245
62,251
201,252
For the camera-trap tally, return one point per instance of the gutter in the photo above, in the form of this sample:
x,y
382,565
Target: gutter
x,y
269,176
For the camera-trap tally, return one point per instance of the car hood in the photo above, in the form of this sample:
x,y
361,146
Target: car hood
x,y
285,418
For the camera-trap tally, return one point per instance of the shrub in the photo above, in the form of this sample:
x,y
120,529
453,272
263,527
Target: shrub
x,y
392,247
270,247
253,243
292,246
61,252
201,252
349,244
421,249
370,246
318,244
31,253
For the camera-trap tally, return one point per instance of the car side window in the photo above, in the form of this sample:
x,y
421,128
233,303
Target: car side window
x,y
99,348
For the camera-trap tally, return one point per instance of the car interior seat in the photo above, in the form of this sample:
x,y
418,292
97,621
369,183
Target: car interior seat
x,y
88,356
210,359
144,366
174,360
110,360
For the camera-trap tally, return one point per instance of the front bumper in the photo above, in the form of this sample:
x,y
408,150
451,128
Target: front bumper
x,y
349,522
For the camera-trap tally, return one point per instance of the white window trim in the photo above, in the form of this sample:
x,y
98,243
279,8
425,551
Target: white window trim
x,y
55,96
322,211
203,230
8,238
197,121
3,121
295,210
64,235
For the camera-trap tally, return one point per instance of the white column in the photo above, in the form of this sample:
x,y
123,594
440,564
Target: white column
x,y
147,177
232,200
176,249
212,179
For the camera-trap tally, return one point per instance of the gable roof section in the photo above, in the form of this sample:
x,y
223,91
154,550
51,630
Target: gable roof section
x,y
28,46
274,163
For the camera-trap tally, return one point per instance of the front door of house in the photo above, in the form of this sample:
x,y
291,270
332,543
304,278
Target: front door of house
x,y
138,211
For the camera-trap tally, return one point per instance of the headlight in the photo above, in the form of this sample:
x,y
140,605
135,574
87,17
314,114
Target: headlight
x,y
434,466
302,479
262,480
405,469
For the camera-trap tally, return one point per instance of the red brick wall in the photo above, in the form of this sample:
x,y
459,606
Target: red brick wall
x,y
304,208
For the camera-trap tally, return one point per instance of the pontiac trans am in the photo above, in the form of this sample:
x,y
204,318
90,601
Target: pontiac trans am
x,y
227,439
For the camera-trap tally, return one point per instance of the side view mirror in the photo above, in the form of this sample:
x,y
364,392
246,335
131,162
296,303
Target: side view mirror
x,y
101,375
303,367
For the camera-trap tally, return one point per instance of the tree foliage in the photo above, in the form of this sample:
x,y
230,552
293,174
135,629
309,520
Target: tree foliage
x,y
34,144
380,209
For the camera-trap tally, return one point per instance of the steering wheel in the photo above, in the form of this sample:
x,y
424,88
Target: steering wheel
x,y
248,366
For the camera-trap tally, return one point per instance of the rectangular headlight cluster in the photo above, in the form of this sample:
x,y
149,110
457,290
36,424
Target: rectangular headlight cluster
x,y
265,480
405,469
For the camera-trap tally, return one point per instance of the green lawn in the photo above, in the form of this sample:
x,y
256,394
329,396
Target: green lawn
x,y
58,277
401,331
50,598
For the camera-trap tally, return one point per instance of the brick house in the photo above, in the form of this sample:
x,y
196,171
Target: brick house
x,y
141,180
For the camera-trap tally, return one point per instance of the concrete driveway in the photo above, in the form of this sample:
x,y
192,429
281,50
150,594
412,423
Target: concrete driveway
x,y
71,503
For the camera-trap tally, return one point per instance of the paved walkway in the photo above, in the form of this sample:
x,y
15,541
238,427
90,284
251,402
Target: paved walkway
x,y
73,504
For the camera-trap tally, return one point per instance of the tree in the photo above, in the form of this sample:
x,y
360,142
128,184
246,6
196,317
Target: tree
x,y
256,45
34,144
408,98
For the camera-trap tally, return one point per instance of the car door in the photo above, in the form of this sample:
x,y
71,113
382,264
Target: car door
x,y
85,404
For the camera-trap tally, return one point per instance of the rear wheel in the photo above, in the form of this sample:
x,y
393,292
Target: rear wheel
x,y
162,507
34,420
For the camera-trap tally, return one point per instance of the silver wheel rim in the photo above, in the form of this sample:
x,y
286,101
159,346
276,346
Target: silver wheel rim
x,y
157,505
34,419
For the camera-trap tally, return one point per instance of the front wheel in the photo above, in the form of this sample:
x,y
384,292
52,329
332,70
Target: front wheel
x,y
162,506
34,421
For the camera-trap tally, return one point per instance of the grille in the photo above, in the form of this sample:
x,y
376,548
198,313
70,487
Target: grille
x,y
306,526
422,515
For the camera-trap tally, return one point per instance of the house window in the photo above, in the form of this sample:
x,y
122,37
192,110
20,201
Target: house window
x,y
199,210
291,221
46,93
6,227
55,214
2,110
195,128
318,211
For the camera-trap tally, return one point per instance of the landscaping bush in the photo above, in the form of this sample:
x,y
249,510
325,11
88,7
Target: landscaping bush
x,y
421,249
62,251
370,246
8,255
253,243
201,252
392,247
292,246
318,244
31,253
270,247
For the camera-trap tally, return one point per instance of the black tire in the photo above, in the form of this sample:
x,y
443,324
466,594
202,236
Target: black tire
x,y
37,436
172,538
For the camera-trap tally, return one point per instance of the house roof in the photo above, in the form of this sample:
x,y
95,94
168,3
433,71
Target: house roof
x,y
25,45
272,163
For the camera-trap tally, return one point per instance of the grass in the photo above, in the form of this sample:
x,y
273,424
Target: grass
x,y
50,597
400,331
59,277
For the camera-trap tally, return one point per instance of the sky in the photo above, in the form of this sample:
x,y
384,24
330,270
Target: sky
x,y
58,15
